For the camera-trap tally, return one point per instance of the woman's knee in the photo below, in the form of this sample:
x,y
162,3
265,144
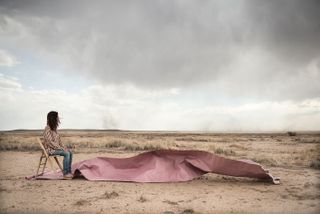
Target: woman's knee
x,y
66,155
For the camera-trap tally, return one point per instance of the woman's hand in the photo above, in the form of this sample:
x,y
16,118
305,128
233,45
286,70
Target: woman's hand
x,y
67,149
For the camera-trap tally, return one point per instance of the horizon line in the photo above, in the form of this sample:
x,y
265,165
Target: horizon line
x,y
199,131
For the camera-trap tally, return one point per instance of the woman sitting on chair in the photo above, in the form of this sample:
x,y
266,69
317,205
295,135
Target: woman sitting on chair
x,y
54,145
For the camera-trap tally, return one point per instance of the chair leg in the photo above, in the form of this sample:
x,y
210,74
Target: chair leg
x,y
56,159
44,165
39,166
43,157
43,162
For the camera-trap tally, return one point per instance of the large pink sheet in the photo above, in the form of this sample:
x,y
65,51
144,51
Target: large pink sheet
x,y
164,166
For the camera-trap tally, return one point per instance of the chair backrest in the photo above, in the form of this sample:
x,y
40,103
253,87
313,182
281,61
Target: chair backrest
x,y
41,142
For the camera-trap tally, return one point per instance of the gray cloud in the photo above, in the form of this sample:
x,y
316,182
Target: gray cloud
x,y
269,49
290,28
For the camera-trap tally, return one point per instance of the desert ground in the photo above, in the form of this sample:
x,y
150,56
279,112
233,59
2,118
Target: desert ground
x,y
295,159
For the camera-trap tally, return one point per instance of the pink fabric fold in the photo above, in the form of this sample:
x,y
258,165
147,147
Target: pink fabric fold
x,y
163,166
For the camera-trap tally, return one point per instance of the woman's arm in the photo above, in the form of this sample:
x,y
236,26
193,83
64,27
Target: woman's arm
x,y
61,144
50,141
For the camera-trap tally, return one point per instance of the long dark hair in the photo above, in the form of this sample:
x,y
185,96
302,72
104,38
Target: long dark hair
x,y
53,120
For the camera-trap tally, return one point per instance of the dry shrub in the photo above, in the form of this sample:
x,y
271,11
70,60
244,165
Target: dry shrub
x,y
90,145
142,146
142,199
110,195
115,144
170,202
137,147
222,151
315,164
225,151
291,134
188,211
82,202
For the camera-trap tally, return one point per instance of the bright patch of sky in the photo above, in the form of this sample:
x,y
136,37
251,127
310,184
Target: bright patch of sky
x,y
36,73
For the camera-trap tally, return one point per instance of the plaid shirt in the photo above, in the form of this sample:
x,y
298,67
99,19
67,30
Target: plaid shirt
x,y
52,140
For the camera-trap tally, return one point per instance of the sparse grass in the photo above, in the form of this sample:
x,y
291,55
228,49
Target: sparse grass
x,y
309,154
115,144
16,146
31,144
314,140
133,146
193,139
237,146
137,147
271,150
266,161
221,151
225,151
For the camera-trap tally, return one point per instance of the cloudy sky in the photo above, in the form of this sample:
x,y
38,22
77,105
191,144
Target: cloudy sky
x,y
222,65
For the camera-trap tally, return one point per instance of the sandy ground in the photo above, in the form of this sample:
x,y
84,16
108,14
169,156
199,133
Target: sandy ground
x,y
299,191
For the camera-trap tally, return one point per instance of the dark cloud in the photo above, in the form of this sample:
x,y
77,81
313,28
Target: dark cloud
x,y
288,28
253,48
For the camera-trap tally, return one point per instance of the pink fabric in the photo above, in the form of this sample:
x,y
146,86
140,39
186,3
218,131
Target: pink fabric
x,y
164,166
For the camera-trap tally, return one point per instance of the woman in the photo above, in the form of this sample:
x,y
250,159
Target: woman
x,y
54,145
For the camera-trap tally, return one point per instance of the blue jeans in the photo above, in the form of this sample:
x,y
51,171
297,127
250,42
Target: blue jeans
x,y
67,160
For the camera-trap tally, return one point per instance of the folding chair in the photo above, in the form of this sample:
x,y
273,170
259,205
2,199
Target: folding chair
x,y
45,157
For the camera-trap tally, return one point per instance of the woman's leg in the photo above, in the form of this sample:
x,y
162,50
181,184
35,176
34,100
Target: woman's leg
x,y
66,160
70,162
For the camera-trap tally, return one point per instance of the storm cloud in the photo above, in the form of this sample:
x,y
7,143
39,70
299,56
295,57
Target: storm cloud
x,y
267,49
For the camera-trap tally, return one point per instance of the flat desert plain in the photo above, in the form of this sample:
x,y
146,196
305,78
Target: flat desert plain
x,y
295,159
